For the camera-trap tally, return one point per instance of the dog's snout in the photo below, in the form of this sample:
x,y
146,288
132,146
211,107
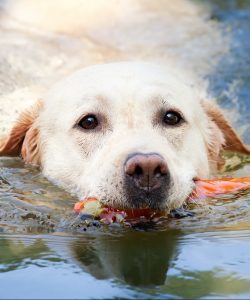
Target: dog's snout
x,y
146,170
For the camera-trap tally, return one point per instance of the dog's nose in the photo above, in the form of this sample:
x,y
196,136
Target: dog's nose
x,y
146,170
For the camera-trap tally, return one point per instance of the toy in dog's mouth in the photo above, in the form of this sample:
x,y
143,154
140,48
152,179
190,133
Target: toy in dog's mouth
x,y
203,188
91,206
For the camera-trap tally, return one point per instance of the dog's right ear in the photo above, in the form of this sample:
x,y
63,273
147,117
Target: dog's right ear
x,y
23,138
228,137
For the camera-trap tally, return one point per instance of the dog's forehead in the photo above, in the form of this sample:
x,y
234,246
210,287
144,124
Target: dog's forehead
x,y
126,82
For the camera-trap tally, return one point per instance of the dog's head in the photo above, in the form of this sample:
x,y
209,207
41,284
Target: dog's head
x,y
131,134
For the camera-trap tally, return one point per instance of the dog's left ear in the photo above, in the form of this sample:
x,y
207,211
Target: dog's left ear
x,y
231,139
23,138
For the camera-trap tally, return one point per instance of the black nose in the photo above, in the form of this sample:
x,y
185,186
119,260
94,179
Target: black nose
x,y
147,171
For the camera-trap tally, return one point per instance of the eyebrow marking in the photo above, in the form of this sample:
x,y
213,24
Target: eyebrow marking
x,y
159,101
102,99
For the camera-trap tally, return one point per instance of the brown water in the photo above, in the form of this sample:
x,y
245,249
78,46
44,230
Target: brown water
x,y
43,254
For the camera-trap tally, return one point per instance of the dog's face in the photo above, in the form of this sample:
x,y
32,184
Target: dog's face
x,y
130,134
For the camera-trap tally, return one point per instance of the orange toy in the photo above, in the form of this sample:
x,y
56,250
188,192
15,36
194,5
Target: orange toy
x,y
211,188
92,206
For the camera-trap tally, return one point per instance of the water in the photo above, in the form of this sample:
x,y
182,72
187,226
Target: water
x,y
44,255
230,81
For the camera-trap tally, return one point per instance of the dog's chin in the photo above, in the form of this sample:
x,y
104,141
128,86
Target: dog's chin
x,y
153,203
141,201
134,202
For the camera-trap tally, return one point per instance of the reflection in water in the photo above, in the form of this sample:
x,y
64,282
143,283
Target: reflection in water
x,y
136,258
143,264
200,284
162,262
15,254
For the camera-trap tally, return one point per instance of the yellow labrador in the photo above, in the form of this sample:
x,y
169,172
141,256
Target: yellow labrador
x,y
131,134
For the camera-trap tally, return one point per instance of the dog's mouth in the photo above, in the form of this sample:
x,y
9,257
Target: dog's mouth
x,y
144,197
92,207
139,205
156,202
203,188
195,179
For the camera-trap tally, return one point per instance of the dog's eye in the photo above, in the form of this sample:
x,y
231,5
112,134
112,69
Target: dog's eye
x,y
88,122
172,118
